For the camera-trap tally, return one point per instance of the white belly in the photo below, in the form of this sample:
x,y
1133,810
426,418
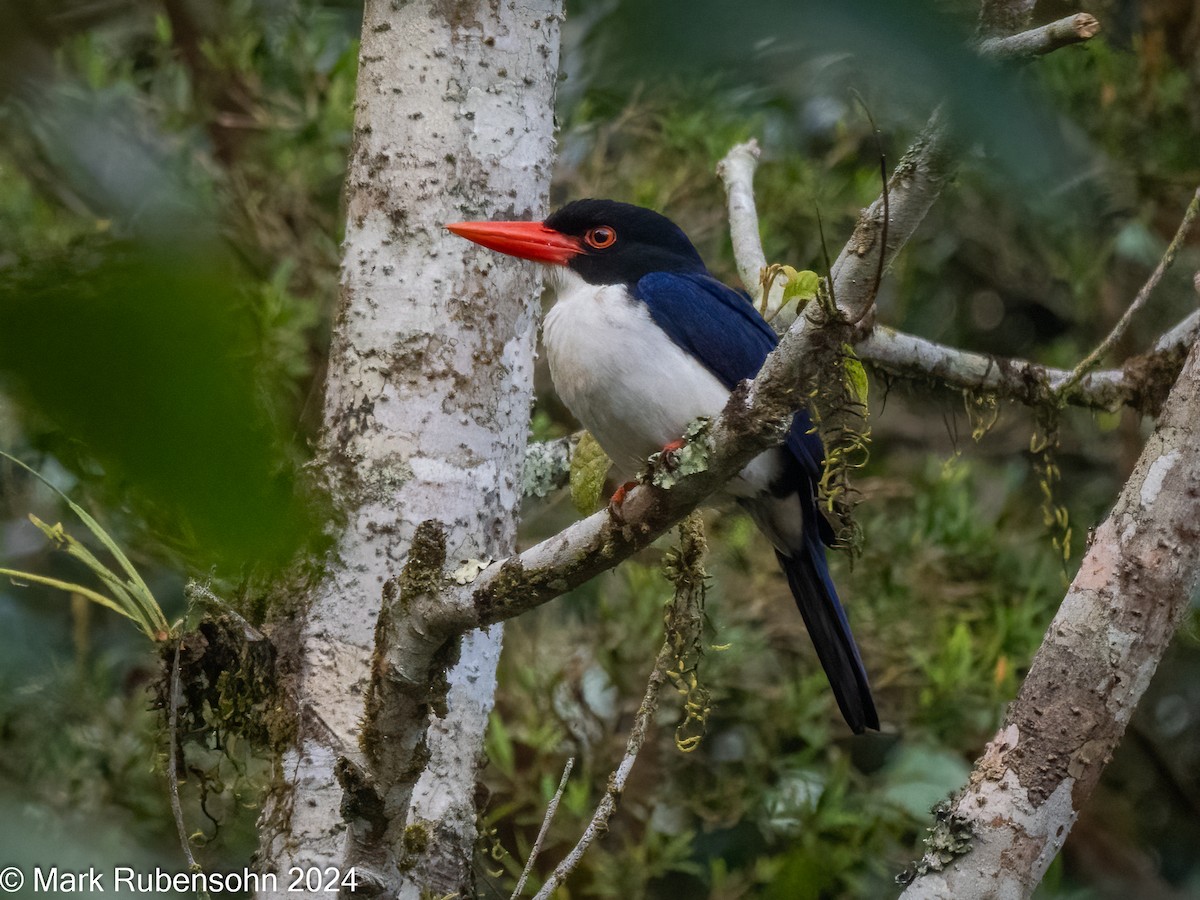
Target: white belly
x,y
626,381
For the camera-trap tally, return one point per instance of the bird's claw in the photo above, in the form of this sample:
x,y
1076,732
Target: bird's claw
x,y
667,460
617,499
670,453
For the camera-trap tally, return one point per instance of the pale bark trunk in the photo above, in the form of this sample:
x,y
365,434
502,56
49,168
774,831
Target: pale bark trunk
x,y
1137,579
427,393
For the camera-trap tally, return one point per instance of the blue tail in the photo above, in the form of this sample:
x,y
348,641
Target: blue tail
x,y
808,576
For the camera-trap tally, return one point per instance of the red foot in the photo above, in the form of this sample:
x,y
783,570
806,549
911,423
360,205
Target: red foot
x,y
618,496
668,459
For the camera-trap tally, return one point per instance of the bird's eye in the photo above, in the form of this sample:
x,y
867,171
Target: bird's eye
x,y
601,237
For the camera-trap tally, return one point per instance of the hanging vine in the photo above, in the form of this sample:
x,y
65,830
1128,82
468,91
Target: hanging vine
x,y
839,412
1044,445
683,566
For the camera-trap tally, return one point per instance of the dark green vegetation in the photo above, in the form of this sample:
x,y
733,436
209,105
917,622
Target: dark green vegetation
x,y
169,225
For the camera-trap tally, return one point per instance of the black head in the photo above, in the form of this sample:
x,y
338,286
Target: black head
x,y
620,242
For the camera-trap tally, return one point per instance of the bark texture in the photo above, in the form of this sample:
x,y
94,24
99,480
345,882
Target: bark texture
x,y
1142,382
426,408
1141,571
1004,17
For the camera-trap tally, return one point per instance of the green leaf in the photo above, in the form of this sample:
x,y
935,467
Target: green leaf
x,y
500,749
589,466
131,597
856,375
801,285
166,336
68,586
918,776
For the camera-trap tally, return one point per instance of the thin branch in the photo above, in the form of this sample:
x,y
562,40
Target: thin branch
x,y
913,187
173,760
537,844
1092,359
913,356
736,170
915,184
1044,39
689,579
1021,380
1185,332
886,218
616,781
910,356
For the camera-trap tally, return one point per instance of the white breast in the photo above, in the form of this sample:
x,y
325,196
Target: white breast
x,y
625,380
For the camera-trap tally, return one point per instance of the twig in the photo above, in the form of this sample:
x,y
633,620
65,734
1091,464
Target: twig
x,y
1090,361
537,844
883,235
692,549
736,170
1037,41
616,781
1015,379
172,760
1183,334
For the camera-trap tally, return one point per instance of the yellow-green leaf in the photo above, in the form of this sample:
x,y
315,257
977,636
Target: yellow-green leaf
x,y
856,375
589,466
69,586
131,597
802,285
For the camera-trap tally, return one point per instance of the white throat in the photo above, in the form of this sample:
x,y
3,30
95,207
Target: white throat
x,y
620,374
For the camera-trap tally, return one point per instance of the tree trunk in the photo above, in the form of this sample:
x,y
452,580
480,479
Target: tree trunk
x,y
427,396
1135,584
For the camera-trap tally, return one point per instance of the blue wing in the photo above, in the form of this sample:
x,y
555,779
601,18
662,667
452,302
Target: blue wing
x,y
722,329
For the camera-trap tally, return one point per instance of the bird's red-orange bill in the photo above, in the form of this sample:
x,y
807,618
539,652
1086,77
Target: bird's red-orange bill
x,y
527,240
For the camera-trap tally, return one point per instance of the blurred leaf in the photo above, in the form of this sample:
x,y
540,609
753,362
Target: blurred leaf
x,y
904,58
918,776
70,588
144,355
589,466
499,746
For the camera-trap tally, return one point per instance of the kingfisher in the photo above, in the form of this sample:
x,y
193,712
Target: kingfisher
x,y
641,341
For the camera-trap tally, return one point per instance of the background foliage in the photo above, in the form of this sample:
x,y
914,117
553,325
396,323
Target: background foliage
x,y
169,225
